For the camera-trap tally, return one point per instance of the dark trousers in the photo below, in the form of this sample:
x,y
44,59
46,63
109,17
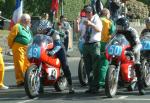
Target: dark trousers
x,y
140,78
66,41
91,56
61,54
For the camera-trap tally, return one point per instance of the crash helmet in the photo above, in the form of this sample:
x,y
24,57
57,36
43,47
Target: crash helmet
x,y
123,22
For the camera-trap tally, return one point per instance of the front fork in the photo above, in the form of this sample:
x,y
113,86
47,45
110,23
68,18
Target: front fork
x,y
38,71
38,78
117,70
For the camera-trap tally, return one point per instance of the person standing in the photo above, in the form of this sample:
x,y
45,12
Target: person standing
x,y
44,22
1,21
2,86
147,29
115,9
65,26
107,31
18,40
61,32
97,6
91,47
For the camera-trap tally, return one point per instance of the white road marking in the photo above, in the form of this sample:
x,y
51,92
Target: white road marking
x,y
137,99
127,99
30,100
122,97
73,58
8,63
9,98
26,97
9,67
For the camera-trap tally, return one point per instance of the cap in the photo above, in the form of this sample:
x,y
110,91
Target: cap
x,y
88,9
82,13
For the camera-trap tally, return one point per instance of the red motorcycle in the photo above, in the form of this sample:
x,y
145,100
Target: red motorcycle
x,y
44,70
120,72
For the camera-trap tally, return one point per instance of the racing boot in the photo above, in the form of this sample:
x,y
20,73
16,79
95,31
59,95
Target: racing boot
x,y
71,90
41,89
140,82
69,80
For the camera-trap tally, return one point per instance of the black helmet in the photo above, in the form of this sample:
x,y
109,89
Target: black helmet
x,y
124,22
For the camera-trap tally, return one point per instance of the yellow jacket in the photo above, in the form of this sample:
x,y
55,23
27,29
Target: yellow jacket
x,y
20,35
1,49
12,35
108,29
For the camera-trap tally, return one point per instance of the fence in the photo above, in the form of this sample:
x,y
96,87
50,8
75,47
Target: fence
x,y
3,41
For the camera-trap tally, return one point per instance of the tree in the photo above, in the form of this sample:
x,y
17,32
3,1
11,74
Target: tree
x,y
36,7
7,7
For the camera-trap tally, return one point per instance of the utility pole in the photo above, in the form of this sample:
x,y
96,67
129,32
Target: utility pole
x,y
62,7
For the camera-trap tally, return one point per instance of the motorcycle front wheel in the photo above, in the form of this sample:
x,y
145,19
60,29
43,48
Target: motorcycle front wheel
x,y
111,83
32,81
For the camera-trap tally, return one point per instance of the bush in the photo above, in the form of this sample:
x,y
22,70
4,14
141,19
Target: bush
x,y
137,10
72,8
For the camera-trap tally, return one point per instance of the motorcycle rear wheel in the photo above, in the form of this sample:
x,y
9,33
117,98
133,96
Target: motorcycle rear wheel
x,y
61,83
83,80
32,82
110,82
146,72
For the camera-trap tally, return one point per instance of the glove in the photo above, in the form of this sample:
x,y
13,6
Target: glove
x,y
66,34
137,48
51,53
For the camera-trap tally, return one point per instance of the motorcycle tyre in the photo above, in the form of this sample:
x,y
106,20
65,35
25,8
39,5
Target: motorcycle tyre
x,y
110,92
27,86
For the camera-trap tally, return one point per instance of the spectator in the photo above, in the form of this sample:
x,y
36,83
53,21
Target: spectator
x,y
107,31
147,29
124,10
44,22
82,18
97,6
61,32
1,21
65,26
91,47
18,40
115,7
2,86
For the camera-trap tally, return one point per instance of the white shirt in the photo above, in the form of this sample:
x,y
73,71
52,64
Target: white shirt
x,y
95,36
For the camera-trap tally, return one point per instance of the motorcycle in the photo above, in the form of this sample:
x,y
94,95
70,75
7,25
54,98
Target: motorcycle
x,y
44,70
121,71
145,58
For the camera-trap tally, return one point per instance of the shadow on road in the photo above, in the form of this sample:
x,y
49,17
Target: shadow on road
x,y
51,94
